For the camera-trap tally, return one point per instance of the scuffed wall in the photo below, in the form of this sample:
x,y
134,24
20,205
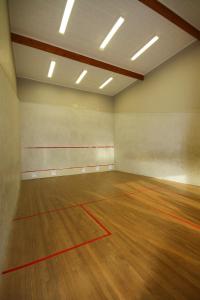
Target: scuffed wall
x,y
9,134
64,131
157,122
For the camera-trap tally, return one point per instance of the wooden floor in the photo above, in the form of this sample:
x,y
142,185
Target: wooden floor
x,y
103,236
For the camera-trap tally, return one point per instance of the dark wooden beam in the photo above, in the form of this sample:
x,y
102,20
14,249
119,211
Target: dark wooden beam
x,y
172,17
72,55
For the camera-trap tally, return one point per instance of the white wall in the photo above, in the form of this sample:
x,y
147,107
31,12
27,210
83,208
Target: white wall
x,y
9,134
157,122
53,116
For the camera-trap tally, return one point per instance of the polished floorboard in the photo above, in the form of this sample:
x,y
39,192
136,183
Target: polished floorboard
x,y
99,236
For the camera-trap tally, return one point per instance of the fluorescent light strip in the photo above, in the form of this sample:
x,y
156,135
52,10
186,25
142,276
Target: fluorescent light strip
x,y
143,49
105,83
82,75
51,68
66,15
114,29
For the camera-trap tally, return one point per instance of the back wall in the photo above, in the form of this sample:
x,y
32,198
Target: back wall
x,y
64,131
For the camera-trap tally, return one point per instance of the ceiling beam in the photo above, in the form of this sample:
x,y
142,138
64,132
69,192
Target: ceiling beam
x,y
72,55
172,17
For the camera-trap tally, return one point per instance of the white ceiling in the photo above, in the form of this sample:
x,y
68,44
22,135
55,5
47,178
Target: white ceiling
x,y
187,9
66,71
88,25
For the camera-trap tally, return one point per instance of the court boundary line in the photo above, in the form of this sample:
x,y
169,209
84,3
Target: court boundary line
x,y
54,210
47,257
182,220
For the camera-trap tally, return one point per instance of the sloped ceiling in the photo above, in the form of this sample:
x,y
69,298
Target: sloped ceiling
x,y
89,23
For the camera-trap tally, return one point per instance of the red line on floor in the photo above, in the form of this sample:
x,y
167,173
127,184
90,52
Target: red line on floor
x,y
108,233
54,254
95,219
54,210
36,261
181,220
173,216
67,168
43,213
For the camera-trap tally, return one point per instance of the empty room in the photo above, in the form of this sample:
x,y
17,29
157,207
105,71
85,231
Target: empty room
x,y
99,150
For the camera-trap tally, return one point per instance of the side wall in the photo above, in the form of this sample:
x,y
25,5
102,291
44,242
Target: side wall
x,y
157,122
83,120
9,133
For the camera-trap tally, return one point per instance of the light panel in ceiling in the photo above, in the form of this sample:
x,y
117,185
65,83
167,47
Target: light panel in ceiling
x,y
145,47
81,76
51,69
66,71
39,19
111,33
104,84
66,15
88,24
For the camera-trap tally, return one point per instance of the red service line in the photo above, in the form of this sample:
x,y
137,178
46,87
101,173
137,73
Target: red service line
x,y
69,147
67,168
95,219
33,262
181,220
107,233
54,210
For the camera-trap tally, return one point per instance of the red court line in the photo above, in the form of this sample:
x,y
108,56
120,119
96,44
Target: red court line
x,y
67,168
54,210
43,213
54,254
108,233
181,220
95,219
68,147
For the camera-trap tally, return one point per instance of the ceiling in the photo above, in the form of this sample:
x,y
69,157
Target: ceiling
x,y
189,10
66,71
89,23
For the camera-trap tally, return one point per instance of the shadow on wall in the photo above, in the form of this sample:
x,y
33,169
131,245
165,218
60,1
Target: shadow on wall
x,y
192,150
188,156
162,145
157,128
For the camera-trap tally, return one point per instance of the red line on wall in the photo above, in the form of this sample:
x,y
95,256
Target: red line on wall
x,y
67,168
36,261
68,147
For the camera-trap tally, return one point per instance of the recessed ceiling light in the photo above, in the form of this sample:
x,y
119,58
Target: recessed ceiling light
x,y
81,76
114,29
66,15
143,49
105,83
51,68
